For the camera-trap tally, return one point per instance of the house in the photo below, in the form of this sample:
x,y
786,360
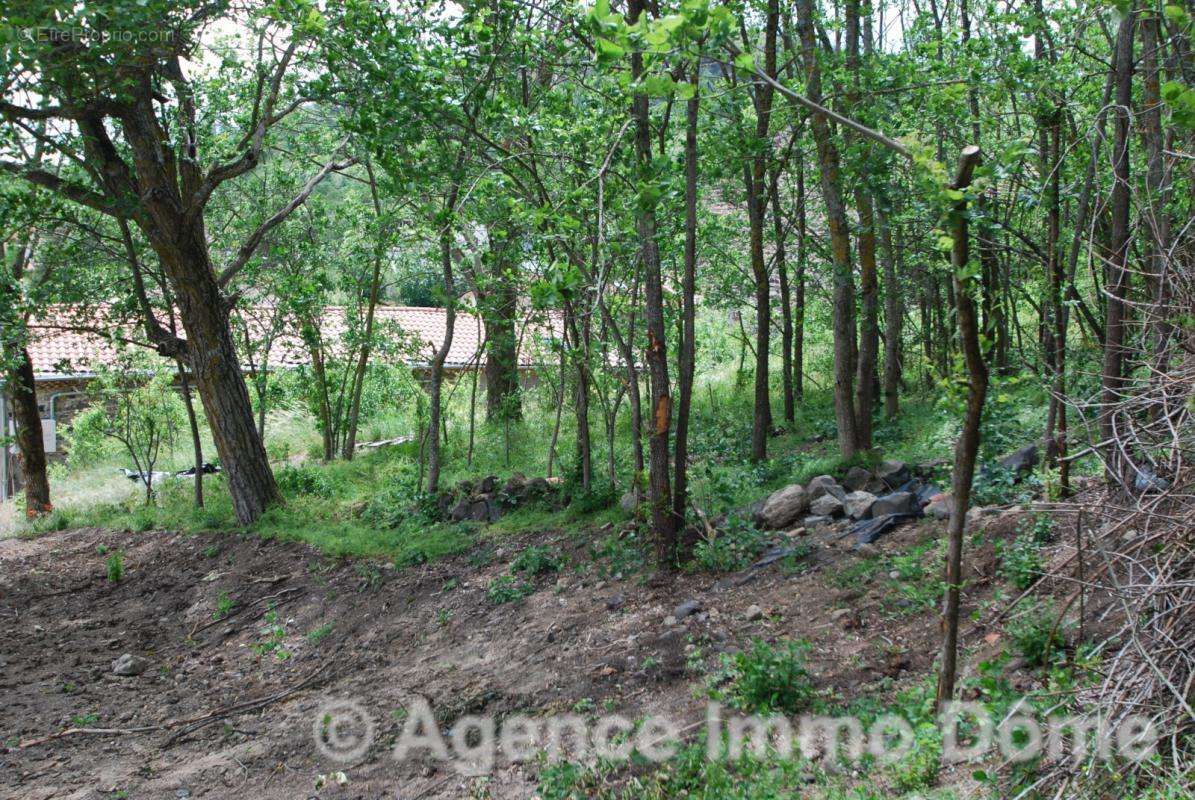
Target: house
x,y
68,344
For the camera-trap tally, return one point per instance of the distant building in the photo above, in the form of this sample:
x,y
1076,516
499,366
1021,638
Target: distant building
x,y
66,349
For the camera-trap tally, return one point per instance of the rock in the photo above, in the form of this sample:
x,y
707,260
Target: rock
x,y
893,472
826,506
894,575
538,486
976,513
459,512
687,609
868,530
815,521
129,664
858,504
669,621
856,478
629,502
926,493
823,485
876,487
515,484
940,506
896,503
1146,480
1022,462
616,602
754,613
784,506
488,484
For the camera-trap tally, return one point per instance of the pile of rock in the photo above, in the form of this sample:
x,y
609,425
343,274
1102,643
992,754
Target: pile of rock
x,y
889,493
486,499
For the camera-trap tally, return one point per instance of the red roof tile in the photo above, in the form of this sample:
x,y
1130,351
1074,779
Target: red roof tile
x,y
62,341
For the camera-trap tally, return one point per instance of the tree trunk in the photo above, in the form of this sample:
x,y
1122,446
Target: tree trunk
x,y
798,357
193,423
23,391
893,320
786,311
499,306
688,346
375,286
840,244
659,485
757,202
1116,278
435,390
967,447
869,334
221,385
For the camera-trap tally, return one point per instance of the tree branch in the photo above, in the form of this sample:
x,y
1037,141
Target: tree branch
x,y
254,241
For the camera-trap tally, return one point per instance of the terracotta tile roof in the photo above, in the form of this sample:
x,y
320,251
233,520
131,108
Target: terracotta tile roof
x,y
63,342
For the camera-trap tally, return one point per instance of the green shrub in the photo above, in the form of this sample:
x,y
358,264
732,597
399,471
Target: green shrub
x,y
305,480
598,497
536,560
734,546
1022,563
1031,634
507,589
765,678
115,567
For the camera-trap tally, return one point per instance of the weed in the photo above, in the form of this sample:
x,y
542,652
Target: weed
x,y
765,678
273,636
224,604
84,720
443,617
536,560
319,634
507,589
734,546
115,567
1034,633
1022,563
211,551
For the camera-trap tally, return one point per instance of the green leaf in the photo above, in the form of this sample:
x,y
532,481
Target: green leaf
x,y
1176,14
745,62
686,91
608,50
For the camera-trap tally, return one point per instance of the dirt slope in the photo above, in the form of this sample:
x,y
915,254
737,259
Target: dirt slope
x,y
578,642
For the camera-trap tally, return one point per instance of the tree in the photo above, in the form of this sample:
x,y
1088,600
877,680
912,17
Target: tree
x,y
130,127
141,414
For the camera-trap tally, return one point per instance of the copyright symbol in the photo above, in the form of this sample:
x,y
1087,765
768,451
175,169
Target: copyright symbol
x,y
343,730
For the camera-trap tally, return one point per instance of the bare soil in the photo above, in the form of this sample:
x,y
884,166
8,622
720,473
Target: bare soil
x,y
222,715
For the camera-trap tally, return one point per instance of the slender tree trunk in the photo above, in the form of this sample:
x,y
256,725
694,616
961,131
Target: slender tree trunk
x,y
757,200
435,390
869,334
967,447
1116,272
498,309
798,357
22,390
659,485
893,320
688,345
375,285
193,423
786,311
840,244
579,348
1159,329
